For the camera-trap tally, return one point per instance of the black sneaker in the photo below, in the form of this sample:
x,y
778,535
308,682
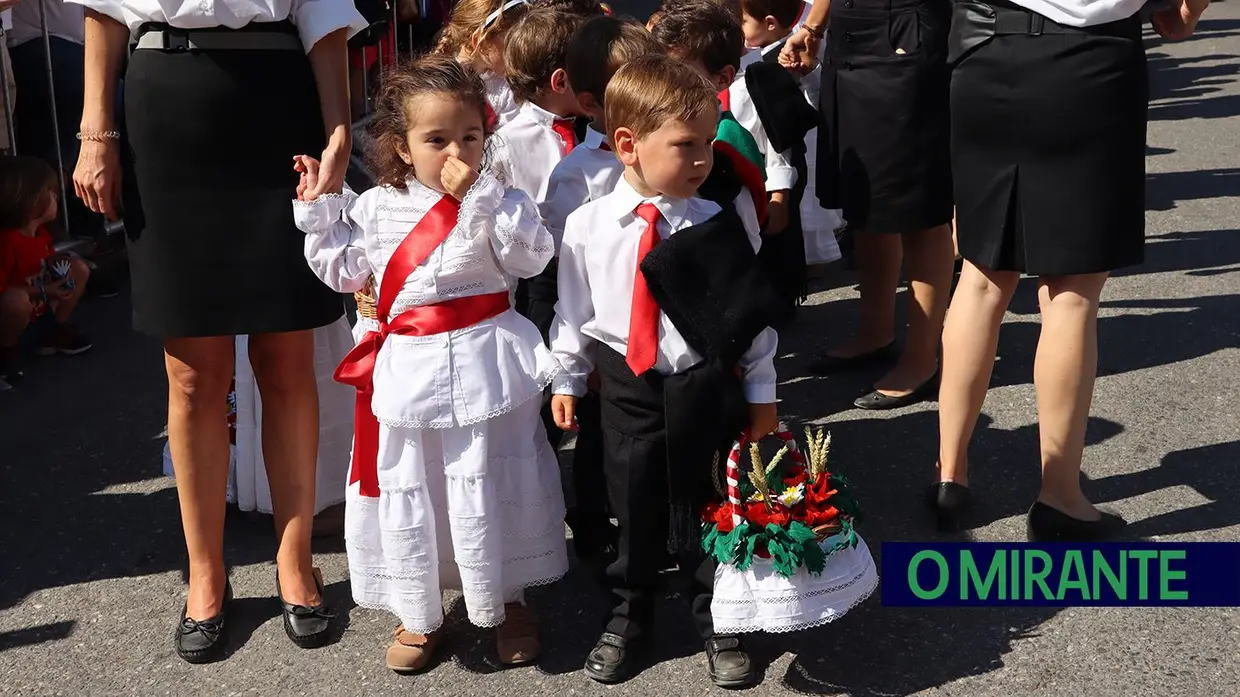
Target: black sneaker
x,y
65,340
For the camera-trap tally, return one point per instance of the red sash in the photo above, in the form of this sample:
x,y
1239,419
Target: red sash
x,y
358,367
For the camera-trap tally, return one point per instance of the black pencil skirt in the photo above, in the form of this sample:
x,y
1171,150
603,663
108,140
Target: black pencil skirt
x,y
883,154
208,189
1048,145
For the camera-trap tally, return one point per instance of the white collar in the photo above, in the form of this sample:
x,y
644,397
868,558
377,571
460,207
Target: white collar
x,y
625,200
594,139
538,114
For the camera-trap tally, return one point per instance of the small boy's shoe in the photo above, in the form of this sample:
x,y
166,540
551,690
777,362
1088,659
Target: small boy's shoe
x,y
728,662
410,652
612,660
516,640
65,340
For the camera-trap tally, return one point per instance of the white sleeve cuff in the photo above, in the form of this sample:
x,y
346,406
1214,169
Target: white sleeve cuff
x,y
781,177
564,383
321,214
318,18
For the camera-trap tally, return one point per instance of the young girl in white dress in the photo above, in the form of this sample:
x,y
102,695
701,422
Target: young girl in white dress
x,y
453,483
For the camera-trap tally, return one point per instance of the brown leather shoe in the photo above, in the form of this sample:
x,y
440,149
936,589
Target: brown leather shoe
x,y
516,640
410,652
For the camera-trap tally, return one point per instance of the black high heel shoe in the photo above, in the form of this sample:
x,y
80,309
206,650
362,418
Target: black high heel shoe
x,y
308,626
949,501
203,641
1046,524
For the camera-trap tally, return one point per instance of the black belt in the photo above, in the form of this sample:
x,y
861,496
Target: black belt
x,y
975,22
177,40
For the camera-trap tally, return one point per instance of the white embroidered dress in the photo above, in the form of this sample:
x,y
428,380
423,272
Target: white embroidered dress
x,y
470,493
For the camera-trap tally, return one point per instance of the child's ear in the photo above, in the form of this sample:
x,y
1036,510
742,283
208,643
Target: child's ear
x,y
590,106
724,78
402,149
772,24
559,81
624,144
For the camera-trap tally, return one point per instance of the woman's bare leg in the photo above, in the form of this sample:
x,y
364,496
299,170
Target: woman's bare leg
x,y
283,366
928,258
970,338
1063,374
200,371
878,274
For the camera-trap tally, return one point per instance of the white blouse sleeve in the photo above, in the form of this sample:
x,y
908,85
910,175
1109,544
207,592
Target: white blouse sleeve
x,y
567,190
335,239
510,218
757,366
574,308
318,18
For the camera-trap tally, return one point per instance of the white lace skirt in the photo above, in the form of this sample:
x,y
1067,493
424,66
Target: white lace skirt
x,y
760,600
477,508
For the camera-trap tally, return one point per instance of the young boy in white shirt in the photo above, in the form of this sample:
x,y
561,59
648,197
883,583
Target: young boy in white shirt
x,y
771,109
595,52
528,147
679,348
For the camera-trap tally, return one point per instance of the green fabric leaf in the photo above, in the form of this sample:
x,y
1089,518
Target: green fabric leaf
x,y
744,554
710,532
814,558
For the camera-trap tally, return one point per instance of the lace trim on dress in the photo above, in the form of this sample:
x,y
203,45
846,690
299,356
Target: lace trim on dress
x,y
507,235
323,199
868,575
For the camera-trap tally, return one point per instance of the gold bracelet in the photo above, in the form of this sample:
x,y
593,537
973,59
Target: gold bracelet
x,y
813,31
99,136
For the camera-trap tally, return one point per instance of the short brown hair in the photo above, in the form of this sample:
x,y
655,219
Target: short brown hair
x,y
392,120
653,90
732,6
25,185
785,12
600,47
536,48
704,31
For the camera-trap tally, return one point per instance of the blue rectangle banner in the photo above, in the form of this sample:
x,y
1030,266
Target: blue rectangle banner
x,y
1114,574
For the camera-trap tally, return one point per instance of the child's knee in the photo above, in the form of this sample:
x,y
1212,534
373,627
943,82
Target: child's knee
x,y
16,302
79,271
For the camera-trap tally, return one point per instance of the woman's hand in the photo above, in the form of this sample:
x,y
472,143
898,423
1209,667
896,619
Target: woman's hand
x,y
1178,22
800,51
456,178
328,172
97,177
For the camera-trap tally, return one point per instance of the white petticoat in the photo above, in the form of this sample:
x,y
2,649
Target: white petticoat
x,y
476,507
247,477
760,600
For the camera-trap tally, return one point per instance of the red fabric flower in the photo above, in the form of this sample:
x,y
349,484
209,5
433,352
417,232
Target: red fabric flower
x,y
757,514
795,475
721,515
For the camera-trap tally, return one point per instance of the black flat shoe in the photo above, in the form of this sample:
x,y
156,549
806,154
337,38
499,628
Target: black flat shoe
x,y
949,501
307,626
612,659
826,364
877,401
728,662
1046,524
203,641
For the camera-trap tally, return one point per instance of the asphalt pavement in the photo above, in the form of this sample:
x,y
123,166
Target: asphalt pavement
x,y
91,556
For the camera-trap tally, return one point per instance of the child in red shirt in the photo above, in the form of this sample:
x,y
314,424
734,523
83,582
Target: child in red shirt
x,y
33,277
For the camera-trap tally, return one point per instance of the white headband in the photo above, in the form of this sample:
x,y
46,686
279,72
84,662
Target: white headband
x,y
503,8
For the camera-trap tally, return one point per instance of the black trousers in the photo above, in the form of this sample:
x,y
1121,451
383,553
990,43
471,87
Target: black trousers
x,y
657,455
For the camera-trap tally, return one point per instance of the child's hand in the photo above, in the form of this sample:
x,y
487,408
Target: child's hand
x,y
309,169
564,411
456,178
776,214
763,420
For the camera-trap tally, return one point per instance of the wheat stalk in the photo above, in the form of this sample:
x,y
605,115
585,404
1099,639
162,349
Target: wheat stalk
x,y
757,475
819,447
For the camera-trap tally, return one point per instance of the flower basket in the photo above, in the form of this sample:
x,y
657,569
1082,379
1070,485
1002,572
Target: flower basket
x,y
789,556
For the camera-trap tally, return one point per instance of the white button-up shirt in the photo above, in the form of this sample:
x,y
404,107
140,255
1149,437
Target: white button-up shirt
x,y
314,19
598,263
780,174
525,150
458,377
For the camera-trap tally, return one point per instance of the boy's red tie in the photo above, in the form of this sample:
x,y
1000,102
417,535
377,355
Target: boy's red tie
x,y
564,129
643,349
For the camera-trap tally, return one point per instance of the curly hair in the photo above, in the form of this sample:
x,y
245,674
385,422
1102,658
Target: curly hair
x,y
468,27
402,86
25,185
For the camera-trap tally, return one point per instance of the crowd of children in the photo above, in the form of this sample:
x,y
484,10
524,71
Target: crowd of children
x,y
580,224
